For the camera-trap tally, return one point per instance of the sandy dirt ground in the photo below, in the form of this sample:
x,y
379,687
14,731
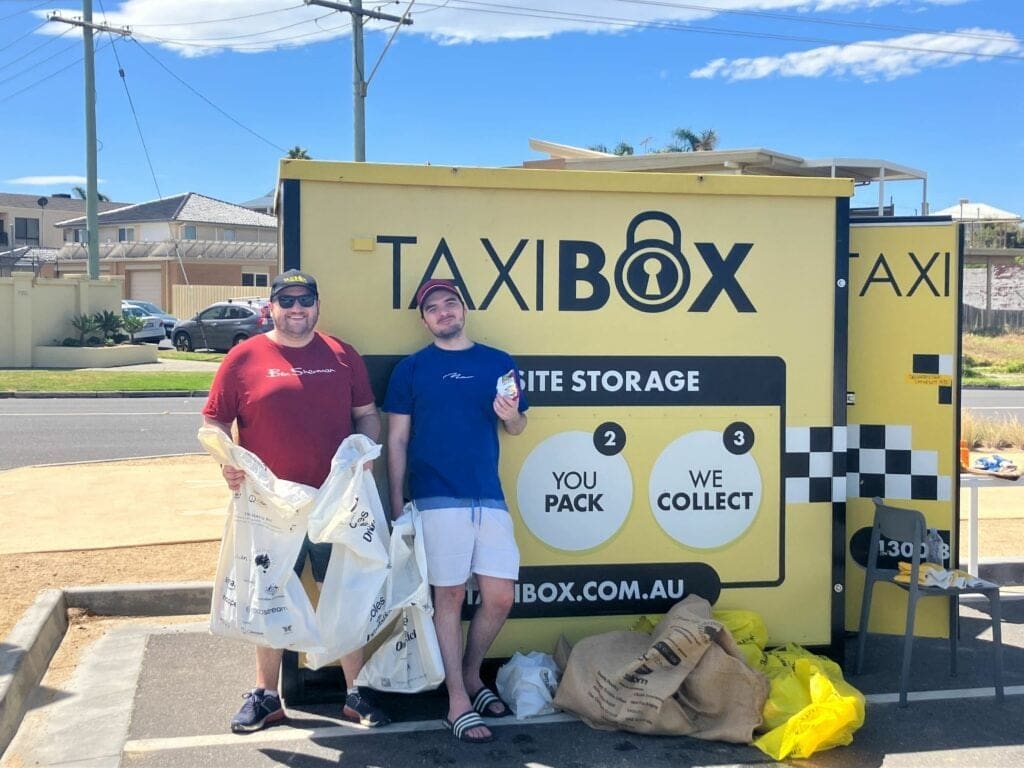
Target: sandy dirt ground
x,y
26,574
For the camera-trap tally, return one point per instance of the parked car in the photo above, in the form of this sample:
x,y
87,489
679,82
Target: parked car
x,y
153,310
152,326
223,324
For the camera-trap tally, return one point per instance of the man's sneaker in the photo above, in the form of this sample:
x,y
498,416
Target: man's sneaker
x,y
260,710
359,710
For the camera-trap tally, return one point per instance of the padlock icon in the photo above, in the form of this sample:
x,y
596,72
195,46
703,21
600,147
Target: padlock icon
x,y
652,274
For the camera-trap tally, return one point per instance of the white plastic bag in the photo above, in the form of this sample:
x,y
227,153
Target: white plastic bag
x,y
256,594
528,683
409,660
348,513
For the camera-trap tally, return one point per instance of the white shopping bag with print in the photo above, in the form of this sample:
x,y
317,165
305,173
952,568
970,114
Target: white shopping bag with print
x,y
256,594
348,513
409,660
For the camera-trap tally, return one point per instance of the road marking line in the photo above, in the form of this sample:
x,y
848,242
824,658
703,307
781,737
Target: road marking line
x,y
285,733
961,693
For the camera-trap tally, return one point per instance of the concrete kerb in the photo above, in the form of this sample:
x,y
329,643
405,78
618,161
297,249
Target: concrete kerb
x,y
26,652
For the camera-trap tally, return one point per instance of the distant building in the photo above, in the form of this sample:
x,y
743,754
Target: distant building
x,y
762,162
263,204
28,220
185,239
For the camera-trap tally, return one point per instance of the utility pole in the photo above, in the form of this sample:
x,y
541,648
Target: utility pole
x,y
92,234
358,81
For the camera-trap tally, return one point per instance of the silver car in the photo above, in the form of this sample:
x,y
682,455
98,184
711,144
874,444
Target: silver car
x,y
152,327
223,325
167,320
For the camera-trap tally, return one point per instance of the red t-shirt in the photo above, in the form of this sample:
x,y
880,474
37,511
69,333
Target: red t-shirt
x,y
293,404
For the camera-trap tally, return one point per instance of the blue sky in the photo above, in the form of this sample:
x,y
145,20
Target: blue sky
x,y
931,84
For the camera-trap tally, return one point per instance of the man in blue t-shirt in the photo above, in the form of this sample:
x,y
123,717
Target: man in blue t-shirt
x,y
444,404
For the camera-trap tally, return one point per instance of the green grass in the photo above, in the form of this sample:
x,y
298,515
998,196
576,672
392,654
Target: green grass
x,y
173,354
36,380
993,360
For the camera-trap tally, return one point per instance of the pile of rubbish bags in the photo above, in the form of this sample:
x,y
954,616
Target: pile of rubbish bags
x,y
696,673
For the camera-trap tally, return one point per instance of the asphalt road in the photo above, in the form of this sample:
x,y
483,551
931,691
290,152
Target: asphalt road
x,y
995,404
58,431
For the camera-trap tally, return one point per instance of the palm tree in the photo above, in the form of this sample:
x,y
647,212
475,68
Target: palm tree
x,y
688,141
80,194
298,153
622,148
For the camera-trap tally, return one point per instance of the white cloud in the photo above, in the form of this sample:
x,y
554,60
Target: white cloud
x,y
870,60
203,27
47,181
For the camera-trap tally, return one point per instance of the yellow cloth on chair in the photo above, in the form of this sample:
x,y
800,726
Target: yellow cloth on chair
x,y
934,575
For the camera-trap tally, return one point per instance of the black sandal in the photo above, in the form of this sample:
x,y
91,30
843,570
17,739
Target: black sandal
x,y
463,724
484,699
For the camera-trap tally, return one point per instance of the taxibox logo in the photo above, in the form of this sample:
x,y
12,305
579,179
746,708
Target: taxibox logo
x,y
652,273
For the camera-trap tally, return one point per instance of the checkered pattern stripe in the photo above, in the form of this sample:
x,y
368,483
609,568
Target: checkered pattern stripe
x,y
861,460
937,364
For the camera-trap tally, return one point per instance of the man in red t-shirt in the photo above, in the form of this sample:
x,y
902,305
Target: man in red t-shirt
x,y
294,395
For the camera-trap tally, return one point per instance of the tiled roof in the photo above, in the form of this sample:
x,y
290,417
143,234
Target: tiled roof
x,y
63,204
189,207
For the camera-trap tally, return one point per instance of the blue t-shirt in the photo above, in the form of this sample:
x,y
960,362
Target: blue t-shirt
x,y
453,440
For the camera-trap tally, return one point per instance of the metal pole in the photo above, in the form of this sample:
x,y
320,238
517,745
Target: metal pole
x,y
358,85
358,78
91,225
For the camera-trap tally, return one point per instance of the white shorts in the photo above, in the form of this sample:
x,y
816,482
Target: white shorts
x,y
464,540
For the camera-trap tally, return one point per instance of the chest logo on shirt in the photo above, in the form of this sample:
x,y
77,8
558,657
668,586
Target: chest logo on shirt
x,y
273,373
456,375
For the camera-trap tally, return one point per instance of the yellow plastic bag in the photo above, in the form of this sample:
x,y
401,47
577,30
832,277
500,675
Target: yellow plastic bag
x,y
750,633
810,707
744,626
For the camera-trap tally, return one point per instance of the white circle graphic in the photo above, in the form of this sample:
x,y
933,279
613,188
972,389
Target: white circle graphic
x,y
570,496
702,495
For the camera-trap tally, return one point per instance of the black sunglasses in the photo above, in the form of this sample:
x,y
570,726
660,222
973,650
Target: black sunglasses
x,y
287,302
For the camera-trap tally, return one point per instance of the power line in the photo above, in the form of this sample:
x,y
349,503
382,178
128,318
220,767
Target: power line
x,y
256,46
201,96
543,13
265,31
25,10
53,39
51,75
387,45
17,40
131,105
219,21
31,67
806,19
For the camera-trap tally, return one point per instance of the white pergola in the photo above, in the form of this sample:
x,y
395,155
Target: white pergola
x,y
762,162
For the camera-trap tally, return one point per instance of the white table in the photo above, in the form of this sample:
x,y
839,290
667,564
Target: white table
x,y
974,482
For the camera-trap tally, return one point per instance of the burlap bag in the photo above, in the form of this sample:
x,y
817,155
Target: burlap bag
x,y
686,678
